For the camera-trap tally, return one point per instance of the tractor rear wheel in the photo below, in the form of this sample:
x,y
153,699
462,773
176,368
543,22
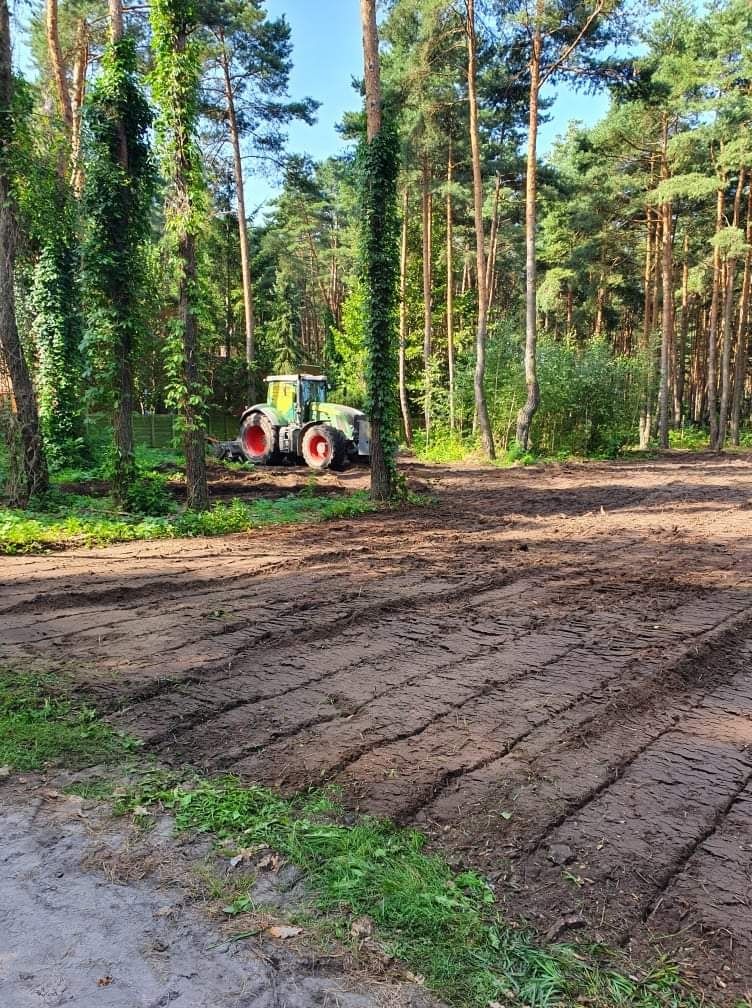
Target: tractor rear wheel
x,y
258,439
324,447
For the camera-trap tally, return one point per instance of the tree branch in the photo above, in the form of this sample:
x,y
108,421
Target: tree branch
x,y
546,74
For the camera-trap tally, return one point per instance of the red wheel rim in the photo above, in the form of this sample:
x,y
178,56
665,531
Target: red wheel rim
x,y
319,447
254,441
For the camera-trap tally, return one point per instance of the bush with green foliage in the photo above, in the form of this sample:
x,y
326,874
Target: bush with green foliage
x,y
63,520
148,494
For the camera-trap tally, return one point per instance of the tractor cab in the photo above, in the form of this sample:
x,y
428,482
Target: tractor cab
x,y
295,397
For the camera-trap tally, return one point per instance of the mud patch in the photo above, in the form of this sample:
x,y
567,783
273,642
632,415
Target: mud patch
x,y
90,918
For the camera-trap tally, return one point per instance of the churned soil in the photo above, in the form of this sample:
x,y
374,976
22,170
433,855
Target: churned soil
x,y
549,671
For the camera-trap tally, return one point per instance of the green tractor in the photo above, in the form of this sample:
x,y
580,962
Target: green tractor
x,y
296,422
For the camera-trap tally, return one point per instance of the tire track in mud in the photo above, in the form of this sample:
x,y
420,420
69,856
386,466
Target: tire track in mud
x,y
446,628
424,791
595,684
354,762
633,836
636,713
239,704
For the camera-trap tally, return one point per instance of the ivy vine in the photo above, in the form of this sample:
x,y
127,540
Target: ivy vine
x,y
118,196
378,164
175,79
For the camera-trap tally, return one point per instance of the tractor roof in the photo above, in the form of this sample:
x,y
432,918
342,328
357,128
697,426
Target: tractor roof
x,y
294,377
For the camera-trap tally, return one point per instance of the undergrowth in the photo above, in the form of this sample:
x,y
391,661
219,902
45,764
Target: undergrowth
x,y
441,923
37,728
64,520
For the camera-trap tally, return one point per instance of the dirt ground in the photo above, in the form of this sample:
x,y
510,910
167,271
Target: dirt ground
x,y
96,915
549,671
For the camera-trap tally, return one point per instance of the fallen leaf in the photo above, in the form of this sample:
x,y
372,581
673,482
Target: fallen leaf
x,y
505,815
272,862
362,927
245,854
284,931
4,772
141,810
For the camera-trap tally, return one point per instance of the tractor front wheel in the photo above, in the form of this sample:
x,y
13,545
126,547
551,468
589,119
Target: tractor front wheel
x,y
258,439
324,447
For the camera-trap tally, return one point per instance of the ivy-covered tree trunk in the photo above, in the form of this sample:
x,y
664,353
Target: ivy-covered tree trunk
x,y
34,466
118,191
56,329
177,68
379,168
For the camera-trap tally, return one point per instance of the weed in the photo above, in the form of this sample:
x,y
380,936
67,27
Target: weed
x,y
37,728
60,521
148,495
442,924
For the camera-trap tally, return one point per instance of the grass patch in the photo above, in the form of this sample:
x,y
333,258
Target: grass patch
x,y
442,447
37,728
441,923
66,520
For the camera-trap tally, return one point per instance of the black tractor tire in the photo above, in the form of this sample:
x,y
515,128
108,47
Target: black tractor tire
x,y
258,439
324,447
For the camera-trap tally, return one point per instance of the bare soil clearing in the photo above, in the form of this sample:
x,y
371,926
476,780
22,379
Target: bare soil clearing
x,y
550,672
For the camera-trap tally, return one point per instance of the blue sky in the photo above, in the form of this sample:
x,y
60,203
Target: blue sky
x,y
327,54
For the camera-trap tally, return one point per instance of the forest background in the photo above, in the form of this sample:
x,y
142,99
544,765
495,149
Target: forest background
x,y
576,304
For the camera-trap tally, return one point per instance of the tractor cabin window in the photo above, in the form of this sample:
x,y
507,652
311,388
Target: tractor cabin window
x,y
282,397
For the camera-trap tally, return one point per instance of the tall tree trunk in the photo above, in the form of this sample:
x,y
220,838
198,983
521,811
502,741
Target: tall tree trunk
x,y
245,261
381,301
194,436
450,286
600,307
526,414
681,344
667,299
427,209
493,242
742,334
481,407
727,324
647,317
56,65
125,456
80,65
33,461
407,422
712,394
